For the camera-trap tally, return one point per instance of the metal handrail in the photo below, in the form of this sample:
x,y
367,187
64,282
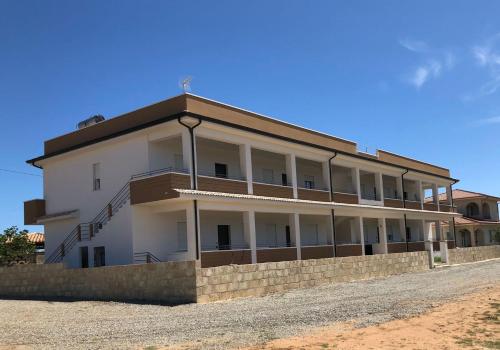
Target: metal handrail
x,y
146,257
160,171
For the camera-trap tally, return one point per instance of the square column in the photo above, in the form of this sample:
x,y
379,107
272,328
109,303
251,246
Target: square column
x,y
449,194
191,232
325,166
399,186
379,185
435,195
291,170
249,233
382,234
356,182
294,221
421,194
402,229
452,231
472,237
186,154
428,242
246,165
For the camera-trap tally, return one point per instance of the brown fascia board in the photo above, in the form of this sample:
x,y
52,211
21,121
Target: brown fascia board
x,y
187,104
411,163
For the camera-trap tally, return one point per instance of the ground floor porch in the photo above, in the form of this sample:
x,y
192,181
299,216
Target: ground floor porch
x,y
222,233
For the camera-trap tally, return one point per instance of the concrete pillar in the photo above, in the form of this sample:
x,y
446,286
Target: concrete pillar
x,y
294,220
359,224
291,171
438,230
382,233
356,183
473,236
191,232
428,242
249,232
186,153
443,250
246,165
435,195
452,231
325,166
379,185
421,193
402,229
399,186
449,194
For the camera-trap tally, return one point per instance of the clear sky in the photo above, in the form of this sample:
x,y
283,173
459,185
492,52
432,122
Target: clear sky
x,y
420,79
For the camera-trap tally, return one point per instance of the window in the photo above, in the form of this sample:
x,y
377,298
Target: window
x,y
284,180
99,256
221,170
288,237
84,257
472,209
224,237
309,181
178,162
268,176
181,236
96,170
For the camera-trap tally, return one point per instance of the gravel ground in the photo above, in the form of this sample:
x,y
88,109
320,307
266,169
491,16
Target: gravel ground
x,y
222,325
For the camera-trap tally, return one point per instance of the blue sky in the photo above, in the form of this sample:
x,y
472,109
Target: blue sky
x,y
420,79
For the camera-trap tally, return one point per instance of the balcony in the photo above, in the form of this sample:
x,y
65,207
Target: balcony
x,y
316,252
223,184
158,185
430,206
33,210
413,205
396,247
348,198
226,257
314,194
393,203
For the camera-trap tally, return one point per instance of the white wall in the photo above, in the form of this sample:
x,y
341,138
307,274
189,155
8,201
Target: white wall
x,y
268,160
370,226
315,230
342,179
393,227
310,168
264,219
162,153
210,219
210,152
412,191
390,186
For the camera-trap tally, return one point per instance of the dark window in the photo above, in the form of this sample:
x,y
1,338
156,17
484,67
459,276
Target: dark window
x,y
224,237
288,237
84,257
99,256
284,180
220,170
408,234
405,196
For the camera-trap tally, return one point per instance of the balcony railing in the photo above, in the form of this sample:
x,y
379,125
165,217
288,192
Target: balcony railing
x,y
215,247
159,172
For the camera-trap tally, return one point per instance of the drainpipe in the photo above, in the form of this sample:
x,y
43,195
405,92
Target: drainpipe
x,y
195,180
403,187
406,236
331,200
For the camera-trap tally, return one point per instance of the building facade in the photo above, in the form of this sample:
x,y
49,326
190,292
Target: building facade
x,y
480,225
194,179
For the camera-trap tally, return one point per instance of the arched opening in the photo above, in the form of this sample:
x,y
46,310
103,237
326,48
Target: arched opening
x,y
464,238
486,211
472,210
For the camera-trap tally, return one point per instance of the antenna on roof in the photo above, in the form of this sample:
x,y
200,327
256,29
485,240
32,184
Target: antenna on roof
x,y
185,83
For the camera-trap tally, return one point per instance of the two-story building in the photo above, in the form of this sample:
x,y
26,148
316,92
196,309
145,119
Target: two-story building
x,y
190,178
480,223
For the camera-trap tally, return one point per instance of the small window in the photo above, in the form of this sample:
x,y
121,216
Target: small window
x,y
288,236
178,162
284,180
181,236
268,176
99,256
221,170
309,181
96,169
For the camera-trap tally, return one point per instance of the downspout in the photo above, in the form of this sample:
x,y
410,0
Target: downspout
x,y
331,200
403,187
195,180
406,236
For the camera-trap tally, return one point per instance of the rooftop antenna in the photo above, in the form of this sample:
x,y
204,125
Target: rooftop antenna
x,y
185,84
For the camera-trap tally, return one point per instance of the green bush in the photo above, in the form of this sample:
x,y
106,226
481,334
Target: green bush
x,y
15,247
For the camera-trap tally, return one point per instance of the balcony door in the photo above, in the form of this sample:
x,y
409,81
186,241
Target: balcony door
x,y
224,237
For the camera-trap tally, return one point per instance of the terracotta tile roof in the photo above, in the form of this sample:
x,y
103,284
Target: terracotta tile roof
x,y
463,194
463,221
36,237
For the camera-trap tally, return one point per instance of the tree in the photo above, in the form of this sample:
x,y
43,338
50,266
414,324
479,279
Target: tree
x,y
15,246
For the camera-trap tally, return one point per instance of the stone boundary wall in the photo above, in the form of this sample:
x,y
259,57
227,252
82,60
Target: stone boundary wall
x,y
168,282
464,255
233,281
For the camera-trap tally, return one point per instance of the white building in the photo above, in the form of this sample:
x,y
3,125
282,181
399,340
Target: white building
x,y
190,178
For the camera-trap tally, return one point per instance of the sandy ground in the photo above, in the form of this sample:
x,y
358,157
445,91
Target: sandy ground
x,y
472,322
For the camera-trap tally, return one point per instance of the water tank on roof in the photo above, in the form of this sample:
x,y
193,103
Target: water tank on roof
x,y
90,121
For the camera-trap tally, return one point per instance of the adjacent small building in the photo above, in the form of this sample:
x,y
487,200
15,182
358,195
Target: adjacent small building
x,y
190,178
480,224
